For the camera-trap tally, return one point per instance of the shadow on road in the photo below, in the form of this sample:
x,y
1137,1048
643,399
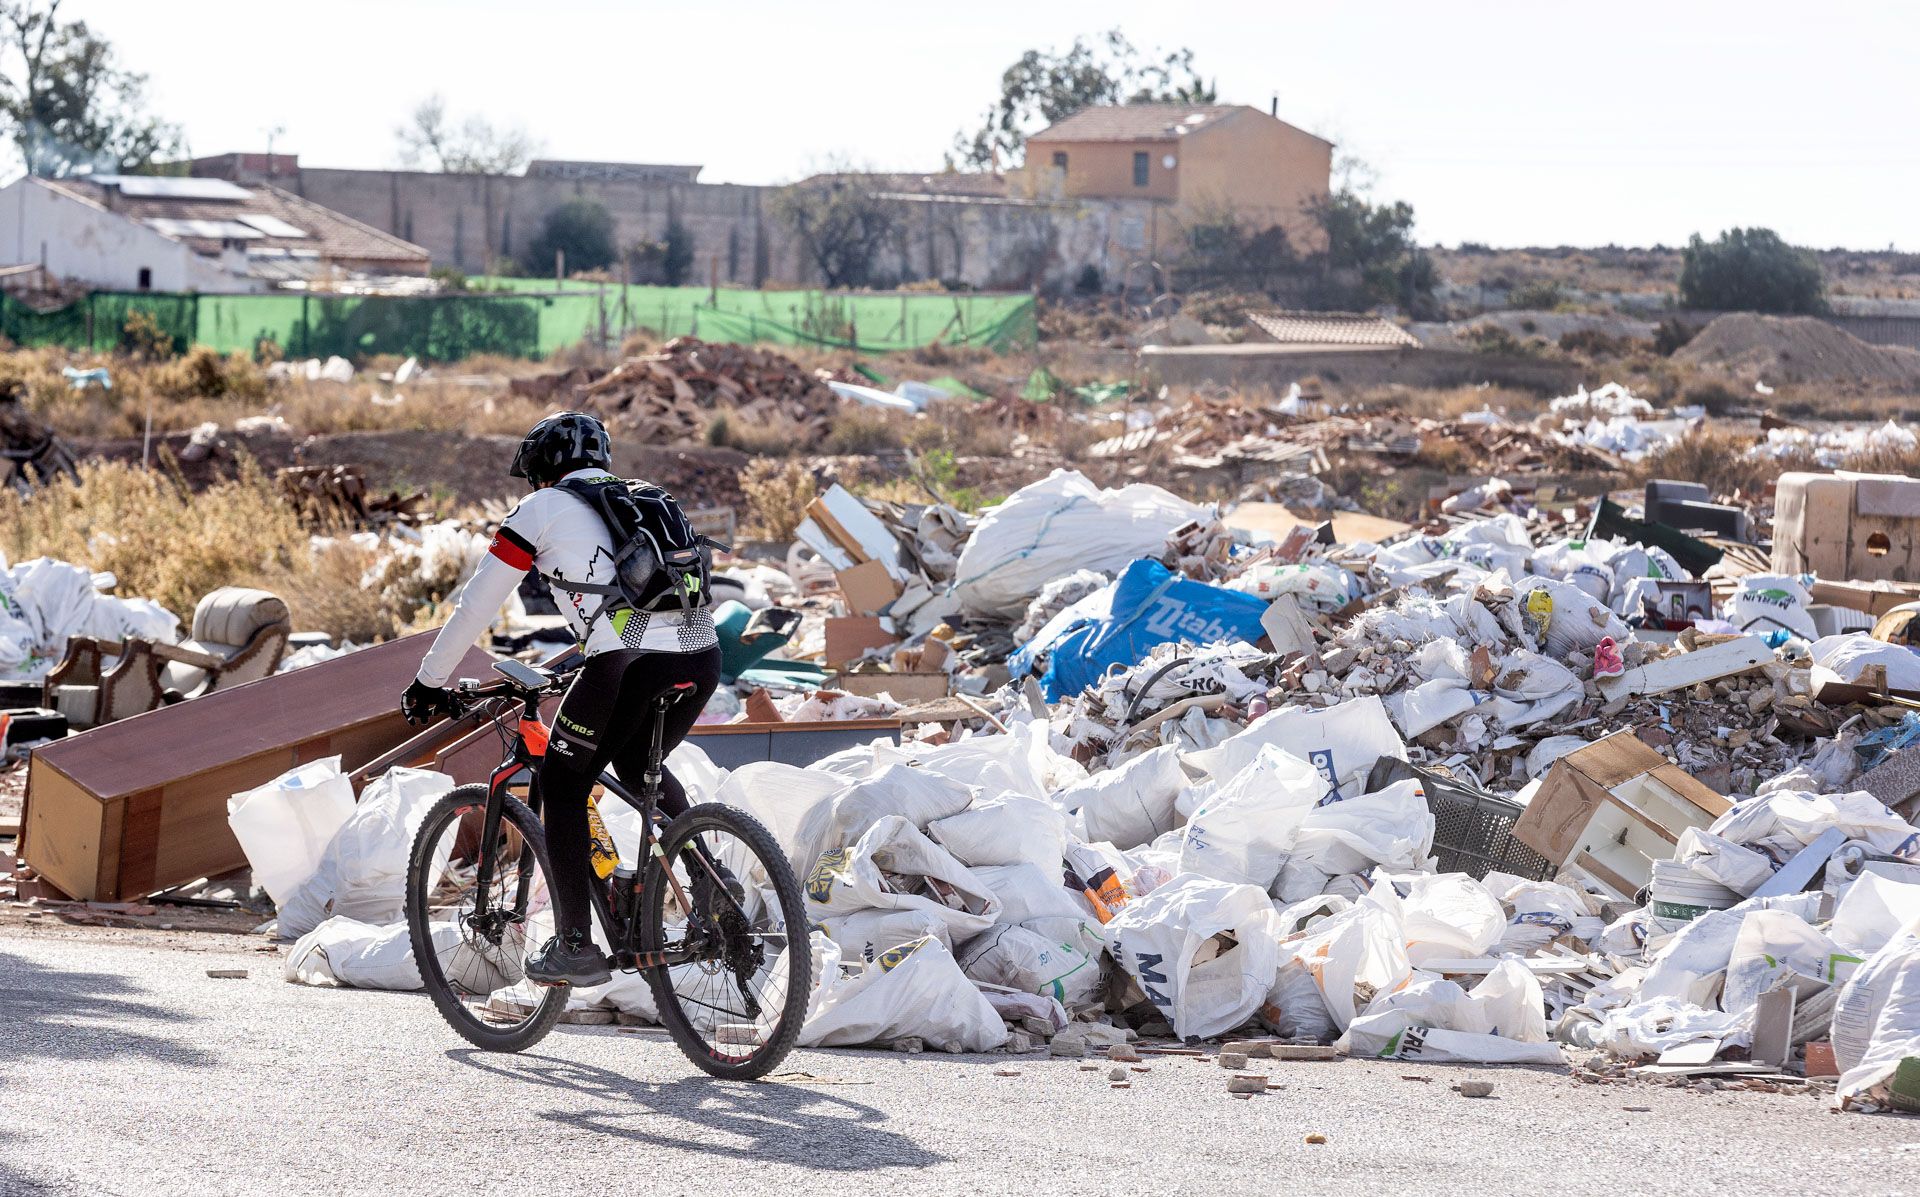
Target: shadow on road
x,y
764,1121
84,1019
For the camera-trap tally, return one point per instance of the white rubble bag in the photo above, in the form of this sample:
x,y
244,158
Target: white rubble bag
x,y
1240,831
1691,966
1131,804
786,799
1203,951
897,790
866,935
284,826
916,989
892,852
1294,1007
362,874
1024,959
1343,742
1003,831
1501,1020
1391,828
1778,949
1445,916
1048,529
1876,1021
356,955
1029,892
1019,761
1362,947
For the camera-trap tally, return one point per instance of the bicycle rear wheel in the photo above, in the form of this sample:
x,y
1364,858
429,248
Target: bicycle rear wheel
x,y
472,953
736,997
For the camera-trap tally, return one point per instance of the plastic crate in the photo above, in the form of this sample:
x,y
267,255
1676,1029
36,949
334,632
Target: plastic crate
x,y
1472,829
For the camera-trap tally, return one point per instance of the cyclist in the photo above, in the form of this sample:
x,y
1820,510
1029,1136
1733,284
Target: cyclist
x,y
632,656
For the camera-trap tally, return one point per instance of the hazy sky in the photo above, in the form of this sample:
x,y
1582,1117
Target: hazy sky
x,y
1506,123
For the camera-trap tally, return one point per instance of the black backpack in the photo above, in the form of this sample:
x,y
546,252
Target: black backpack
x,y
659,562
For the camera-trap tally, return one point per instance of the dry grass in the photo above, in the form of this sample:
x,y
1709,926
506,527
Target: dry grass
x,y
169,544
1442,404
1718,460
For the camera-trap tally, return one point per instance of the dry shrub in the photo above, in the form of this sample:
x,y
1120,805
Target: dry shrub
x,y
1447,455
161,540
777,494
1885,461
206,373
777,437
964,428
166,543
859,431
1718,460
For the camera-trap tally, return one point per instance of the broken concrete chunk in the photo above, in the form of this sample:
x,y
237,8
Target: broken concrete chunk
x,y
1303,1051
227,974
1246,1084
1476,1088
1233,1060
1116,1074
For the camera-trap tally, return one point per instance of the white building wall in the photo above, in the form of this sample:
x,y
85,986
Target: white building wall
x,y
79,240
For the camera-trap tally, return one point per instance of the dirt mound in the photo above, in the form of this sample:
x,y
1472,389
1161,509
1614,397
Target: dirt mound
x,y
1797,349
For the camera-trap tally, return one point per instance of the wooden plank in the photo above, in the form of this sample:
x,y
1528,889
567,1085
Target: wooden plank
x,y
132,874
1686,669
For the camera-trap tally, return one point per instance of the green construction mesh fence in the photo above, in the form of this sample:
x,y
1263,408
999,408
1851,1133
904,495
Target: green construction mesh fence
x,y
529,318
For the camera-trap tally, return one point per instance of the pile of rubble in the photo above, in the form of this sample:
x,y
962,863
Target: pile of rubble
x,y
1491,789
673,395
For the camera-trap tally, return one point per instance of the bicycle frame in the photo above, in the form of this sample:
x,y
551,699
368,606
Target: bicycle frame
x,y
527,746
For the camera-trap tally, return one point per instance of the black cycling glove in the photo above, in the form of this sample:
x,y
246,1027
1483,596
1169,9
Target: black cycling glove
x,y
420,703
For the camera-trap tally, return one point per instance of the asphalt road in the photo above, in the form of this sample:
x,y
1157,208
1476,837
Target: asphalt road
x,y
124,1069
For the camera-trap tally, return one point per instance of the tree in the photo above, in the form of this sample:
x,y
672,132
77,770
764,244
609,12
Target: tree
x,y
1224,251
1044,88
1370,256
676,258
432,140
1751,270
68,104
581,230
841,224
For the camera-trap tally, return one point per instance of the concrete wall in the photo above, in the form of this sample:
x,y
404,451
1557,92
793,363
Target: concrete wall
x,y
471,221
1263,170
80,240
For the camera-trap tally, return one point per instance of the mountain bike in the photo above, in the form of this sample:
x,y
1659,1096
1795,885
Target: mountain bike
x,y
711,916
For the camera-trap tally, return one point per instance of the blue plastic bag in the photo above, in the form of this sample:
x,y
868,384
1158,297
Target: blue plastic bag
x,y
1147,604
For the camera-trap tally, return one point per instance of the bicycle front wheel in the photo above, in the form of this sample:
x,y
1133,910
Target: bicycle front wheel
x,y
731,925
471,942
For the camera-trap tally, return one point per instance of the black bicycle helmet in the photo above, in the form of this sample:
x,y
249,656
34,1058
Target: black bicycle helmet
x,y
560,444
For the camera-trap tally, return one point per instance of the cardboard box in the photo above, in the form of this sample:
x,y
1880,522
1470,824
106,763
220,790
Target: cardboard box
x,y
1614,807
1856,526
906,688
140,805
850,636
868,588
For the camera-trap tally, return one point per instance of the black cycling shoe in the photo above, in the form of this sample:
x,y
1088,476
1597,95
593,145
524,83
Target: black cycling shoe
x,y
566,961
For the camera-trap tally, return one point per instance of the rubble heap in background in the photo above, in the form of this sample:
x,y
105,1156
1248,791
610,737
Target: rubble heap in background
x,y
671,396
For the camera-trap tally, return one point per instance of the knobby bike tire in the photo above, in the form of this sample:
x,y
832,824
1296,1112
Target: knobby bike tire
x,y
773,861
553,1001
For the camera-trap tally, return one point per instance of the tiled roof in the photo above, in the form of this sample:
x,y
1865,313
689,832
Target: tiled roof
x,y
1331,328
1137,122
329,234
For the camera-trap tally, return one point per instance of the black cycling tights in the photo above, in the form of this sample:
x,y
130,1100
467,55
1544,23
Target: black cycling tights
x,y
604,720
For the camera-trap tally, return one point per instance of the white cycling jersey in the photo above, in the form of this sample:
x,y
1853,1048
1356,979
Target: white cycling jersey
x,y
557,534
